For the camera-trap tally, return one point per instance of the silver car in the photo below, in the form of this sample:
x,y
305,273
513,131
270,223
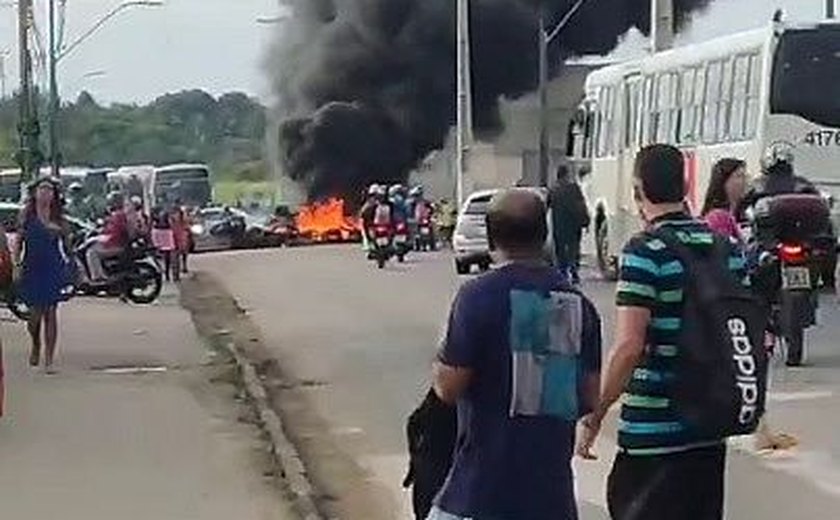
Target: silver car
x,y
470,242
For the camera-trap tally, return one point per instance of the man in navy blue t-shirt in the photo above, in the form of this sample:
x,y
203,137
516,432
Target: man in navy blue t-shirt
x,y
521,359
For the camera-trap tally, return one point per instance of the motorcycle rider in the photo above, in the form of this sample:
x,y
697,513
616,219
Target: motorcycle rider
x,y
779,178
76,200
113,240
421,209
376,211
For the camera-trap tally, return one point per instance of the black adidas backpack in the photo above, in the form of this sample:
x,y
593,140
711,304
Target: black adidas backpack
x,y
721,377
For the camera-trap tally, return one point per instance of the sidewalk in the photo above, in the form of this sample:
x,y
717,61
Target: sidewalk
x,y
91,444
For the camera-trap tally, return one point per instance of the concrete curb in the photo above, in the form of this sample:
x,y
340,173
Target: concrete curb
x,y
287,456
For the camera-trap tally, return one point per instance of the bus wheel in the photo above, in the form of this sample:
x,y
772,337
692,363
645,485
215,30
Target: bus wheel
x,y
607,263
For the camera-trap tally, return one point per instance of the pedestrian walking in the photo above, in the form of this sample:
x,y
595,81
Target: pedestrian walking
x,y
570,216
43,266
163,239
181,232
521,359
674,360
724,198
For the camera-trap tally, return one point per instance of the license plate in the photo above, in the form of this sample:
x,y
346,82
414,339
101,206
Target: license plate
x,y
796,278
382,241
400,239
424,231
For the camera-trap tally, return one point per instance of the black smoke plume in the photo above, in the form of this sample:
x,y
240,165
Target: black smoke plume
x,y
367,87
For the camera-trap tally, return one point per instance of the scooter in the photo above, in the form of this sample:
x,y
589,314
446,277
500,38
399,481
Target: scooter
x,y
381,247
425,240
401,242
134,275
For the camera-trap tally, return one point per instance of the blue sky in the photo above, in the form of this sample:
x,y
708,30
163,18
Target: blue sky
x,y
217,44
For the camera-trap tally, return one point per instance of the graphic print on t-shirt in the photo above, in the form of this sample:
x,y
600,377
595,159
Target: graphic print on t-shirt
x,y
545,342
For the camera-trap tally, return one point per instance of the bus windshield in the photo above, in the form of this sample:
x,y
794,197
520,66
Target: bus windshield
x,y
806,73
190,185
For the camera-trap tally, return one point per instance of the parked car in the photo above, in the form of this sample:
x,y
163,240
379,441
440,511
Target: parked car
x,y
10,219
470,238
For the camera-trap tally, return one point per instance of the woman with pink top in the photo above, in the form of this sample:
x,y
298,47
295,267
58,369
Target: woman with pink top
x,y
726,190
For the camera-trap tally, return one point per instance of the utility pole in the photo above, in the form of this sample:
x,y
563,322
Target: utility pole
x,y
545,39
2,74
29,155
545,143
54,107
464,137
662,24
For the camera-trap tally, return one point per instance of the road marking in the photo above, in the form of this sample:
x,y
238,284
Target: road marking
x,y
787,397
121,371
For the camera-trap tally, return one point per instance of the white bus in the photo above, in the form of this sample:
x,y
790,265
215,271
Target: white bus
x,y
189,183
730,97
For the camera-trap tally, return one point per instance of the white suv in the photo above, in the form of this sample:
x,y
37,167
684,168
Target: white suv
x,y
470,239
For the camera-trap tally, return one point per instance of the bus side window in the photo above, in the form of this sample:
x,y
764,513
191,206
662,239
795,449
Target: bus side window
x,y
753,93
714,75
687,108
649,127
740,86
723,133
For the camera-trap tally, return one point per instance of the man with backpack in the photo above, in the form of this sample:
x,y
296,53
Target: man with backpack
x,y
688,363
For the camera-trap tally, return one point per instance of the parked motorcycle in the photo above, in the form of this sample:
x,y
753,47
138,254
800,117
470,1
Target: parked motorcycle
x,y
425,239
381,248
134,275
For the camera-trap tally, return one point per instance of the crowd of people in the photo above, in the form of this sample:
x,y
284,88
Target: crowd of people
x,y
519,387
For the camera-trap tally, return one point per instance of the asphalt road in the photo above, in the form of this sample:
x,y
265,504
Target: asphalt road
x,y
364,338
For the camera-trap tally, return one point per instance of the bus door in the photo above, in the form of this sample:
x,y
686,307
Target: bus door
x,y
630,138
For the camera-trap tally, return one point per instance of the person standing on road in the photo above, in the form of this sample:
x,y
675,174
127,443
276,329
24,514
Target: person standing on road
x,y
43,266
181,232
163,239
521,359
570,216
724,196
663,471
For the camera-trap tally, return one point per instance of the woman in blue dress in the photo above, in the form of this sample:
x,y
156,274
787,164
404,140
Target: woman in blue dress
x,y
42,261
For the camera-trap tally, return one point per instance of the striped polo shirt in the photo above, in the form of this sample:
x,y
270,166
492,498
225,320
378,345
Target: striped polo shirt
x,y
653,277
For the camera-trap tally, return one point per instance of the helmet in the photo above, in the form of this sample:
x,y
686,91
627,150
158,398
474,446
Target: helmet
x,y
777,153
75,187
136,201
373,189
416,191
396,189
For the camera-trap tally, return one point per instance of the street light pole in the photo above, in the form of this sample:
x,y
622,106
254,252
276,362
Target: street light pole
x,y
55,154
545,39
464,130
57,54
3,55
29,155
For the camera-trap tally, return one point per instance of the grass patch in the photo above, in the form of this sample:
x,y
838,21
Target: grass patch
x,y
229,192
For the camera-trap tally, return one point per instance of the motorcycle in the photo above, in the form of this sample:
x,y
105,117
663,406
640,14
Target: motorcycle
x,y
381,247
788,271
401,242
134,275
793,274
425,240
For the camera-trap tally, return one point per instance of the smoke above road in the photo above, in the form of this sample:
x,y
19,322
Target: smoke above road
x,y
366,88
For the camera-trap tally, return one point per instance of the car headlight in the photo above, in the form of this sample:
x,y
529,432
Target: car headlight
x,y
197,229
